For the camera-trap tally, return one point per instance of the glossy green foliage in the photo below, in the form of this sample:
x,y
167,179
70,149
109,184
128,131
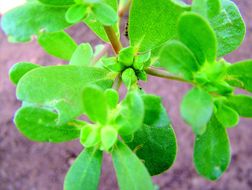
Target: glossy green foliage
x,y
105,14
195,32
93,96
155,142
130,171
85,171
82,55
57,2
21,23
240,75
212,151
58,44
131,114
60,88
76,13
40,125
96,25
227,116
129,77
242,104
112,98
207,8
226,20
18,70
81,100
196,109
146,29
178,59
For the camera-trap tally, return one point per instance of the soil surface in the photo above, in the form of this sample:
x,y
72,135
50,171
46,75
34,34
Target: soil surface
x,y
25,165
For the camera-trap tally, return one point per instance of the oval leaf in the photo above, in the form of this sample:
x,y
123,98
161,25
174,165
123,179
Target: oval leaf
x,y
40,125
155,142
239,75
18,70
152,23
131,114
178,59
195,32
212,151
61,87
85,171
95,104
196,109
242,104
227,116
130,171
83,55
76,13
21,23
58,44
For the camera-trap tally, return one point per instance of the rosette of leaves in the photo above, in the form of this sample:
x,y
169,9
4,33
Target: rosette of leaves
x,y
168,39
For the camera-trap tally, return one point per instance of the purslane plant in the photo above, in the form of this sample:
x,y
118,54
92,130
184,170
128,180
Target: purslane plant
x,y
167,39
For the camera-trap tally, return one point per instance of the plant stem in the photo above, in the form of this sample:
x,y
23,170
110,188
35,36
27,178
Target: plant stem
x,y
114,40
163,74
101,53
123,9
117,83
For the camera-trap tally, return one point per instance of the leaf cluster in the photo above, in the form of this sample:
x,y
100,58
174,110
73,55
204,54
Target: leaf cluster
x,y
167,38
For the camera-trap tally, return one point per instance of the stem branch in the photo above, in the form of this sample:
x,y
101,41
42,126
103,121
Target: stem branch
x,y
117,82
114,40
124,8
163,74
101,53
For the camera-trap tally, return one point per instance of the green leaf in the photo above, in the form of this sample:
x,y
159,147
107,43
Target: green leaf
x,y
18,70
112,98
207,8
129,77
239,75
146,29
76,13
83,55
131,114
90,135
126,56
95,104
178,59
212,151
229,27
109,136
97,27
40,125
111,64
85,171
21,23
195,32
130,171
196,109
227,116
57,2
61,87
155,142
242,104
58,44
105,14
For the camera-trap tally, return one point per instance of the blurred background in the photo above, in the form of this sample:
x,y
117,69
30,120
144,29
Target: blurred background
x,y
26,165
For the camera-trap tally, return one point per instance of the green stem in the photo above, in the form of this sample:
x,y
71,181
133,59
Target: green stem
x,y
163,74
114,40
